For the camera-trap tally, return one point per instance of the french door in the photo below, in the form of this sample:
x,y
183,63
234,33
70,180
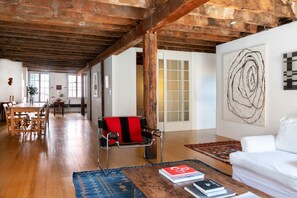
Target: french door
x,y
174,94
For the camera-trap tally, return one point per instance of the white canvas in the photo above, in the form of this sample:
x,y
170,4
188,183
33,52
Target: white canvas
x,y
244,86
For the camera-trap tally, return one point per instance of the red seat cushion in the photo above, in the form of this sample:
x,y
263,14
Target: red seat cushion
x,y
128,128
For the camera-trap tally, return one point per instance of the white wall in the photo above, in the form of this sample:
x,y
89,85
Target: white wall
x,y
108,91
61,79
96,101
10,69
58,79
122,73
122,84
203,90
278,103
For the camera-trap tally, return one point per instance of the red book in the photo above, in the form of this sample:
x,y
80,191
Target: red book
x,y
182,170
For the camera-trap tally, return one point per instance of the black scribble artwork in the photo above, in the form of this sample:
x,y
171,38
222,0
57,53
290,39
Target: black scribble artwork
x,y
246,86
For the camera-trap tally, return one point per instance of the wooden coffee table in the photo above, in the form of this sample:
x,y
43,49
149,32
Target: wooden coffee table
x,y
152,184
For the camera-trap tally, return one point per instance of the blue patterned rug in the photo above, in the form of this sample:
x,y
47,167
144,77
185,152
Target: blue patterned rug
x,y
93,184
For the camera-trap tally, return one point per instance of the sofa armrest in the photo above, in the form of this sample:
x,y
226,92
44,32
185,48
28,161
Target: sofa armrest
x,y
259,143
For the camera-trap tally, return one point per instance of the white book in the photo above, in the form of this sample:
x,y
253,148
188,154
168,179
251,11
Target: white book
x,y
182,179
247,195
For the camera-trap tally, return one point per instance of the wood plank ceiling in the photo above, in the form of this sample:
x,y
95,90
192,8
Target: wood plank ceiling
x,y
66,35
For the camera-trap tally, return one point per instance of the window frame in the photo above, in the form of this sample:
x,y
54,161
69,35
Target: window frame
x,y
77,89
37,98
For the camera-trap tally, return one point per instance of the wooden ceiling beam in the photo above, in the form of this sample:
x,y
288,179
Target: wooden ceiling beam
x,y
54,40
131,3
63,22
278,8
244,16
188,46
39,50
115,10
184,49
255,5
45,48
56,9
182,41
89,31
202,21
198,36
50,68
202,30
75,64
286,9
43,56
163,15
47,45
10,32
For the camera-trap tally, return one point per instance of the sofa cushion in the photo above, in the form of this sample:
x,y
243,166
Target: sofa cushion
x,y
286,138
277,165
260,143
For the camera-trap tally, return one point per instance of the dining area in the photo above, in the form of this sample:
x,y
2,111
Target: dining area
x,y
26,117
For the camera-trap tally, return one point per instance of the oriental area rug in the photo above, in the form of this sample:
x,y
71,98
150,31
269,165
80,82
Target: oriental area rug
x,y
217,150
94,184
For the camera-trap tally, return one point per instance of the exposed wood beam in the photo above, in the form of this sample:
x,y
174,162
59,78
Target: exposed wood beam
x,y
21,46
198,36
183,41
27,43
163,15
188,46
244,16
115,10
52,52
202,21
184,49
130,3
43,55
55,35
279,8
255,5
202,30
96,31
38,37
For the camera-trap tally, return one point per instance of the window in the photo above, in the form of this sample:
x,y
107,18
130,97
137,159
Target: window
x,y
74,86
41,81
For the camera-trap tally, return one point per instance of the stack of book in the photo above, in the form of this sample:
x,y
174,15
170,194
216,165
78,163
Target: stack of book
x,y
209,188
181,173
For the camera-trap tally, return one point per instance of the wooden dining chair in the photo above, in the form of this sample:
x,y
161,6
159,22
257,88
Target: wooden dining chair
x,y
43,120
17,120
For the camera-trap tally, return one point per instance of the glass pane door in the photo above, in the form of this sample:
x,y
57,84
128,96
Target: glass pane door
x,y
173,94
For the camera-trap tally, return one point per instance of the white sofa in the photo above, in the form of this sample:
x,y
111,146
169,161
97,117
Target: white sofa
x,y
269,162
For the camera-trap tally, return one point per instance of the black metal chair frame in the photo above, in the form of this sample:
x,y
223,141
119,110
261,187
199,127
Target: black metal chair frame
x,y
148,134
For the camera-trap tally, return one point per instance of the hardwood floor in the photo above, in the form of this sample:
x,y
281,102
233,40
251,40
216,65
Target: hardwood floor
x,y
42,166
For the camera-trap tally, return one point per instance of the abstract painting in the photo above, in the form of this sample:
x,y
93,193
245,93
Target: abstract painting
x,y
244,86
95,85
290,71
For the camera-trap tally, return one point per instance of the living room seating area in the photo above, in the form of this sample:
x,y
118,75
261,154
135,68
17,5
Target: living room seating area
x,y
269,162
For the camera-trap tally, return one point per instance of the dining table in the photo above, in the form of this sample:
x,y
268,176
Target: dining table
x,y
25,117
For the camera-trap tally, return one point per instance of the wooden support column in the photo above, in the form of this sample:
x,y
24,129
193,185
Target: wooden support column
x,y
150,87
102,87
